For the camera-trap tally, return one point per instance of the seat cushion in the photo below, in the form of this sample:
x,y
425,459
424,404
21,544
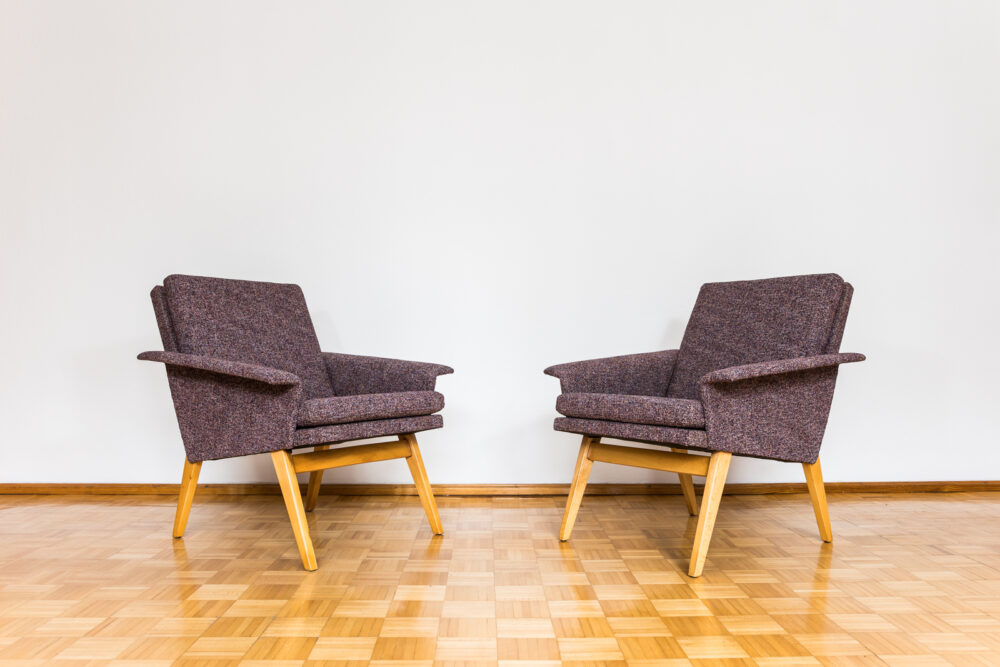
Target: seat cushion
x,y
688,438
633,409
365,407
325,435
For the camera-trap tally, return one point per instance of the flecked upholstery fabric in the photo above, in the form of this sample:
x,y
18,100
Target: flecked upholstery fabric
x,y
779,416
353,374
748,321
363,407
163,319
266,324
323,435
655,410
661,435
781,366
759,357
223,366
840,320
240,357
646,374
222,416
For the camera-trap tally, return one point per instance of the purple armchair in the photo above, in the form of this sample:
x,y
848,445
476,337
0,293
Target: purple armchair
x,y
754,376
247,377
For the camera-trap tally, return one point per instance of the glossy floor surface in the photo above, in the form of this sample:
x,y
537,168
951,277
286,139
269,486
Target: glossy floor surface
x,y
909,580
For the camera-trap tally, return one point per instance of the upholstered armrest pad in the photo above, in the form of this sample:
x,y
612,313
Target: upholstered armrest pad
x,y
779,367
646,374
264,374
354,374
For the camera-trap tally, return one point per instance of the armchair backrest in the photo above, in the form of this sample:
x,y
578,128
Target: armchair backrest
x,y
240,320
749,321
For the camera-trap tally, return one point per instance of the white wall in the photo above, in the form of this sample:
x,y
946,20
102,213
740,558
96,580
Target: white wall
x,y
498,186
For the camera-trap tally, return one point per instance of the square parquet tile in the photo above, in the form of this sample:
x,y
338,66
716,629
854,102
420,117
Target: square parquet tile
x,y
911,579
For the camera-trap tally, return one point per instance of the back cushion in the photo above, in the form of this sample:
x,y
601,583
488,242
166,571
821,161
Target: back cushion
x,y
163,319
755,320
840,320
252,322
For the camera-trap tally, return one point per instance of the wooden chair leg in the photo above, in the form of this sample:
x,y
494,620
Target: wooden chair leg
x,y
293,503
315,481
687,488
580,476
718,467
817,492
416,463
189,482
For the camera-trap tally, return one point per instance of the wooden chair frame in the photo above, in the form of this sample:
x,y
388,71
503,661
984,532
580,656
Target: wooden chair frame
x,y
713,468
287,464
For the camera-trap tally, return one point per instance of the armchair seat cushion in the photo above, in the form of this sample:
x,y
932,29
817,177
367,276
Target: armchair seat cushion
x,y
366,407
686,438
325,435
633,409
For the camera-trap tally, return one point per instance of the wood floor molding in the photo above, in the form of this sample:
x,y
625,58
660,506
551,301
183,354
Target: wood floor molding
x,y
965,486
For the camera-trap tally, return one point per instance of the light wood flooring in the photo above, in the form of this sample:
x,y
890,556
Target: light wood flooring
x,y
910,579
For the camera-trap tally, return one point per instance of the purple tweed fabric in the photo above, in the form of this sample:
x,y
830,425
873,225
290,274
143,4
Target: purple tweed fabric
x,y
163,319
840,320
646,374
759,357
779,367
353,374
655,410
748,321
324,435
779,417
266,324
657,435
363,407
222,416
223,366
244,366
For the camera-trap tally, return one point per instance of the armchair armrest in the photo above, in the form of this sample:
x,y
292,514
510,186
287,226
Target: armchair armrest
x,y
353,374
264,374
228,408
646,374
772,409
779,367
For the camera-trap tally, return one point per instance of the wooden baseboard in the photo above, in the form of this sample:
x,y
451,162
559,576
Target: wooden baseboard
x,y
495,489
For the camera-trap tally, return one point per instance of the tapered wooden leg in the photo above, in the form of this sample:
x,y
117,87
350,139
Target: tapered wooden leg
x,y
580,476
718,467
817,492
315,481
687,488
189,482
293,503
423,485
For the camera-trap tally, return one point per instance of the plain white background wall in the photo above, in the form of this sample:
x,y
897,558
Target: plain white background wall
x,y
498,186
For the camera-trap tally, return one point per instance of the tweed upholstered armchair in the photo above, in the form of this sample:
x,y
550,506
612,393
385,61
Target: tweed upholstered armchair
x,y
247,377
754,376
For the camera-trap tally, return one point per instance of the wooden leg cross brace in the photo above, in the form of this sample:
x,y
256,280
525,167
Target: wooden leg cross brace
x,y
287,465
713,468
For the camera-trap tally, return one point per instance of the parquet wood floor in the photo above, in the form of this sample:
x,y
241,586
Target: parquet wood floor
x,y
911,579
